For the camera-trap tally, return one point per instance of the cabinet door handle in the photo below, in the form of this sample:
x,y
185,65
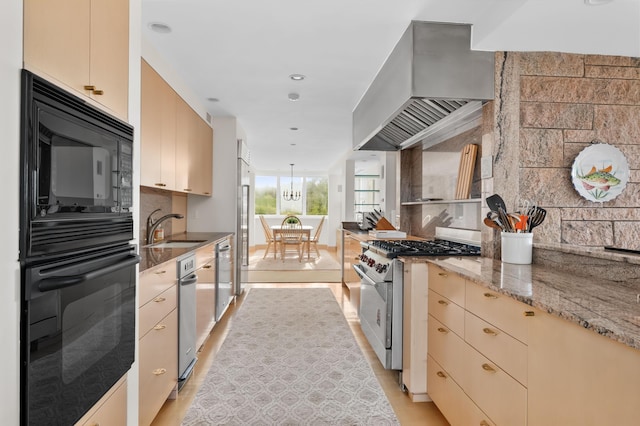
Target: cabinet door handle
x,y
484,423
160,184
98,92
490,296
159,299
443,274
443,302
441,374
529,313
442,330
489,331
159,371
159,327
161,272
89,87
206,267
188,189
487,367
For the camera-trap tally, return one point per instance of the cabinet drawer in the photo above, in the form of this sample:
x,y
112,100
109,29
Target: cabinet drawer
x,y
447,312
446,347
448,284
456,406
509,353
494,391
155,280
205,255
158,367
498,309
156,309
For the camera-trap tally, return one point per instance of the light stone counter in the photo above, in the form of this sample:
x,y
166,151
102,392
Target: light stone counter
x,y
582,292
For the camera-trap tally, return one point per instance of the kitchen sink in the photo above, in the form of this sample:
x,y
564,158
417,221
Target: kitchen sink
x,y
177,244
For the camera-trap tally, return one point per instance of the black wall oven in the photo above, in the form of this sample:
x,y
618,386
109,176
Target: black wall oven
x,y
78,268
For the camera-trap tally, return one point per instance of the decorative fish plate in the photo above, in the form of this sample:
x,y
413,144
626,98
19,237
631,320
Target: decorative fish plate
x,y
600,172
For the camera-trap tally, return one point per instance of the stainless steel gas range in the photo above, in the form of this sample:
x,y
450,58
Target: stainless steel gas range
x,y
381,287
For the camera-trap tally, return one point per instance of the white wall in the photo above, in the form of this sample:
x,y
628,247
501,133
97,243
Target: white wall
x,y
10,65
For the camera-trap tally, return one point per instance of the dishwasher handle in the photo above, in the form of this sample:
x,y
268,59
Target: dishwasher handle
x,y
191,279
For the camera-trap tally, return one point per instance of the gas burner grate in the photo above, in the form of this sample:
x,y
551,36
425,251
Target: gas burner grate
x,y
438,247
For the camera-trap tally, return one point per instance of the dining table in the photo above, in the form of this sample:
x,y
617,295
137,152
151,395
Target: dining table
x,y
304,229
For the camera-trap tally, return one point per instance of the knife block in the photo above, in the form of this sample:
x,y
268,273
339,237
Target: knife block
x,y
384,225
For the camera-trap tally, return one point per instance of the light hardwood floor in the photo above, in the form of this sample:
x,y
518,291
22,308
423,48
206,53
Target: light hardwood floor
x,y
408,412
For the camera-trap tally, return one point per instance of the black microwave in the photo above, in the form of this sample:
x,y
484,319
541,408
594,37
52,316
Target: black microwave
x,y
77,172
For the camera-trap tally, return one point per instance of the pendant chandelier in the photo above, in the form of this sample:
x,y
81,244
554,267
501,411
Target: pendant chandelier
x,y
291,195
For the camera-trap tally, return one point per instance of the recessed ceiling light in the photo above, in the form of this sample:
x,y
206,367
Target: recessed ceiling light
x,y
293,128
292,144
159,27
213,99
297,77
293,96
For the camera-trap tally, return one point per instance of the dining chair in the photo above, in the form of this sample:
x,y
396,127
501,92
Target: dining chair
x,y
314,240
269,237
291,235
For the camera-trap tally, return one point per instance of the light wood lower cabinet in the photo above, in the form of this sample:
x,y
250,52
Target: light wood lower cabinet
x,y
158,344
481,368
414,331
535,369
577,377
110,410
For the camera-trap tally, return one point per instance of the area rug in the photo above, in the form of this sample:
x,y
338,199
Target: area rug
x,y
290,359
324,268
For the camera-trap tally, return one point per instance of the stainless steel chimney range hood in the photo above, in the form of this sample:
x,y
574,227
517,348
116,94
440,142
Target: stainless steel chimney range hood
x,y
431,81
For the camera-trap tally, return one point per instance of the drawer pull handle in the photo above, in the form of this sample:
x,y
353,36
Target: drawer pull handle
x,y
442,330
159,299
441,374
89,87
159,371
490,296
484,423
529,313
487,367
160,184
487,330
159,327
161,272
206,267
443,302
443,274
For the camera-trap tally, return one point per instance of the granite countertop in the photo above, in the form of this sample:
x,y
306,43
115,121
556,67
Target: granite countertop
x,y
608,306
153,256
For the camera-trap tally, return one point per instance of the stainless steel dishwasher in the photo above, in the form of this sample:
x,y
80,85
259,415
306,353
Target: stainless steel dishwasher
x,y
224,277
186,318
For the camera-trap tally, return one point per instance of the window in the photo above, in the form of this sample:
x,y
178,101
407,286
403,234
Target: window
x,y
314,199
367,193
265,194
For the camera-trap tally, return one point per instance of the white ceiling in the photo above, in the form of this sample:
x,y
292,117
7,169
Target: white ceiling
x,y
243,51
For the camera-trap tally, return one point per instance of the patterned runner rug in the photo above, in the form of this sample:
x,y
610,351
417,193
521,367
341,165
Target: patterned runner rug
x,y
290,359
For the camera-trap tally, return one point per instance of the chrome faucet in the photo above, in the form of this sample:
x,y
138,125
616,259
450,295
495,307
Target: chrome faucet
x,y
151,225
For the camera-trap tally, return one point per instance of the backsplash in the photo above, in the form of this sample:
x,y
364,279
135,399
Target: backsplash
x,y
168,202
549,107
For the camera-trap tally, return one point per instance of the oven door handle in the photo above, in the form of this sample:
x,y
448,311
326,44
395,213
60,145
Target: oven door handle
x,y
56,283
362,275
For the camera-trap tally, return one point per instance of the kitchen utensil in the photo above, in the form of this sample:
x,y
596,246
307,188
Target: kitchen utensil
x,y
492,224
495,202
537,218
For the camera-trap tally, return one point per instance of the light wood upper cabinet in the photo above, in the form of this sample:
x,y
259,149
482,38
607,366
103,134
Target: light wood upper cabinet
x,y
81,43
177,144
158,130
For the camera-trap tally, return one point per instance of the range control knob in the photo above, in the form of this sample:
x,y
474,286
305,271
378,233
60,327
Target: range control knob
x,y
371,262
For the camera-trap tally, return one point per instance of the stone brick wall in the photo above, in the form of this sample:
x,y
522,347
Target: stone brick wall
x,y
549,107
